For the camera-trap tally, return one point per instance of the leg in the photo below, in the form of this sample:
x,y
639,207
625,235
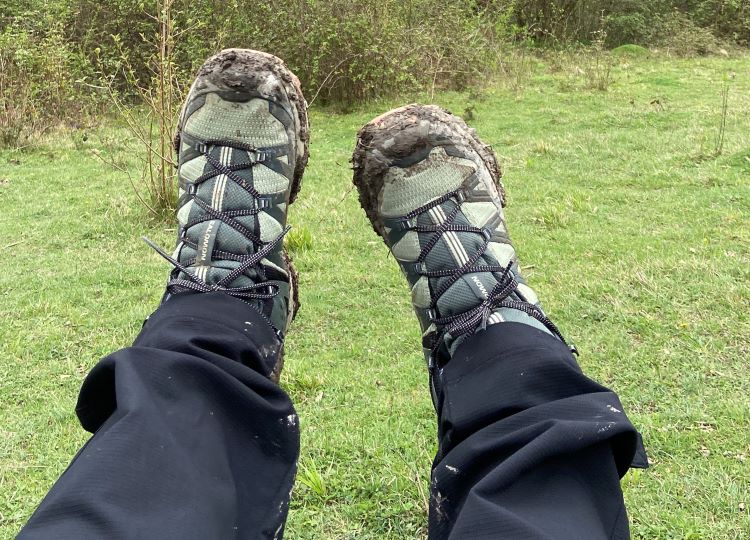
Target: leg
x,y
191,438
529,447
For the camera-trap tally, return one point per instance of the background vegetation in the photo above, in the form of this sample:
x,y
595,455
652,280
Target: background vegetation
x,y
60,59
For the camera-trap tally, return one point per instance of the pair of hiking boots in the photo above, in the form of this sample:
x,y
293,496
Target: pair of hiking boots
x,y
429,186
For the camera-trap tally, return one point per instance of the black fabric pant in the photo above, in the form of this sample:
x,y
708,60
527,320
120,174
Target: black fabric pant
x,y
192,441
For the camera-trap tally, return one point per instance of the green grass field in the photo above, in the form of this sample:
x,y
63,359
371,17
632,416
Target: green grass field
x,y
633,232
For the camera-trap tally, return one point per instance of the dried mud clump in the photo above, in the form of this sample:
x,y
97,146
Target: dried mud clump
x,y
404,132
245,69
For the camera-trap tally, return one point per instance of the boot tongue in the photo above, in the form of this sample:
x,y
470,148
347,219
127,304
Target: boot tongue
x,y
454,249
224,195
214,234
467,293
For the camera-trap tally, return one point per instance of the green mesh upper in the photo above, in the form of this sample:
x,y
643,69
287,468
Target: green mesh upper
x,y
411,187
247,123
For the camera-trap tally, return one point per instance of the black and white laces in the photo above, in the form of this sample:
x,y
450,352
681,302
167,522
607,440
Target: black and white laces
x,y
477,317
186,279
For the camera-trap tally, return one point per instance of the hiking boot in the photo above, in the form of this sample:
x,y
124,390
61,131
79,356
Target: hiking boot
x,y
242,144
432,190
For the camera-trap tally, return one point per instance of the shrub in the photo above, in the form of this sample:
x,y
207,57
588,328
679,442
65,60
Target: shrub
x,y
43,79
152,126
679,35
344,51
635,27
728,19
560,22
37,86
348,51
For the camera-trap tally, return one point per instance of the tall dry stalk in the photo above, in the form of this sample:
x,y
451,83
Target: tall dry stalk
x,y
721,135
153,130
167,88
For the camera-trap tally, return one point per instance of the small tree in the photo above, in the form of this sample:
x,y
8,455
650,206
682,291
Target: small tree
x,y
153,124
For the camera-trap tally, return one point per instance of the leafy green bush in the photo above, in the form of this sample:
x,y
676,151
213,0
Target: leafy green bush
x,y
681,36
43,79
347,51
37,84
643,22
727,19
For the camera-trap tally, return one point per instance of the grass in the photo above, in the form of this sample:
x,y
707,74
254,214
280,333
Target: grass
x,y
635,234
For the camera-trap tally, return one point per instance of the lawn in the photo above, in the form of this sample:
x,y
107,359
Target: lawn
x,y
634,231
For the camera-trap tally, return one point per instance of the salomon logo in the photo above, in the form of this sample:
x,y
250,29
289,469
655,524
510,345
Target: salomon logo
x,y
479,285
206,239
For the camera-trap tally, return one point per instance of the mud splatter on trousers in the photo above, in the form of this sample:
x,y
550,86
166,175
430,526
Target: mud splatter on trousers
x,y
193,441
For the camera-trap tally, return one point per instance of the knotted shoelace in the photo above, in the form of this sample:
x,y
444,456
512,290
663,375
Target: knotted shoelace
x,y
189,281
499,297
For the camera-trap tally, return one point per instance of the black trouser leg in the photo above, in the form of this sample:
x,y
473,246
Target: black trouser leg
x,y
191,440
529,446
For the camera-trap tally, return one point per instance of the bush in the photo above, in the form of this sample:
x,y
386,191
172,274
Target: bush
x,y
560,22
727,19
37,89
679,35
343,51
348,51
42,77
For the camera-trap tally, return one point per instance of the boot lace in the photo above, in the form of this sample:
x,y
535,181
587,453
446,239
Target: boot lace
x,y
475,318
186,279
